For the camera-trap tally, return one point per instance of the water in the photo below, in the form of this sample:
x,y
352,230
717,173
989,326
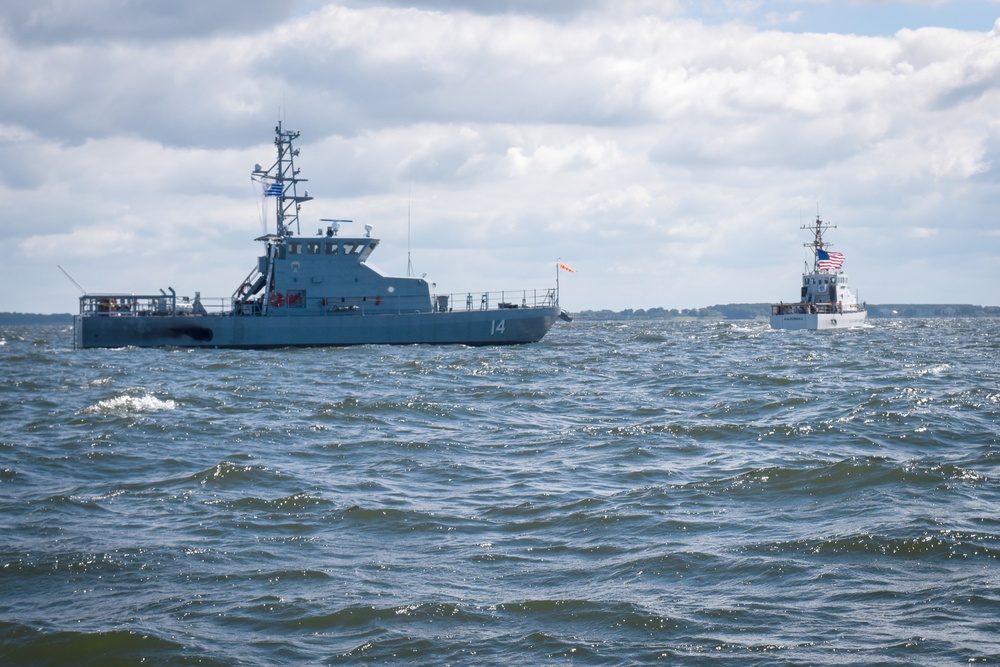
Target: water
x,y
622,493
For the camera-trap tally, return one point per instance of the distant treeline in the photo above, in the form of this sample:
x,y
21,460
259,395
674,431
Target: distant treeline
x,y
730,311
750,311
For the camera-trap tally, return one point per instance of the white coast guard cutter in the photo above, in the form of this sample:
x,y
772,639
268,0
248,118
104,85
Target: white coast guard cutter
x,y
826,300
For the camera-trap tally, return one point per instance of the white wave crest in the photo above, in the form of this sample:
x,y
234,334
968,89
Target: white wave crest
x,y
934,370
144,403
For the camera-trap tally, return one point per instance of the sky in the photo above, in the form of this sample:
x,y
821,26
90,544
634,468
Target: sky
x,y
668,151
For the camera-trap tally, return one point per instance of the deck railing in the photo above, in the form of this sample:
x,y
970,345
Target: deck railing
x,y
138,305
815,308
147,305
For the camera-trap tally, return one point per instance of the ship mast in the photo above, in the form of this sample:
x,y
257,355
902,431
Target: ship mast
x,y
817,243
281,180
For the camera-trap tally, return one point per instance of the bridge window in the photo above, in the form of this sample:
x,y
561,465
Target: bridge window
x,y
312,247
332,248
294,248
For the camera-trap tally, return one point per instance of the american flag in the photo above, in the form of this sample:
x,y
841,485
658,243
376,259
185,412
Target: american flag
x,y
829,261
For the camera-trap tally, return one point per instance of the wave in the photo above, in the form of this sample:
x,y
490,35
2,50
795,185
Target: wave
x,y
24,645
922,545
294,503
130,404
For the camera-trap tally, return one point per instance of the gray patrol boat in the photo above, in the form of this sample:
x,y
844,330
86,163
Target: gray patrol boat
x,y
315,291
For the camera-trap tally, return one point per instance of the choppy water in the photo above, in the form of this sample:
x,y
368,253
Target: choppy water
x,y
620,494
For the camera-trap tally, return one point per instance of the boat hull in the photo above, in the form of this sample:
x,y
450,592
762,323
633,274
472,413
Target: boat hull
x,y
819,321
488,327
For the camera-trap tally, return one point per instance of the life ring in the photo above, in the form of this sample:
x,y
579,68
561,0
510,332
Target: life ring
x,y
277,299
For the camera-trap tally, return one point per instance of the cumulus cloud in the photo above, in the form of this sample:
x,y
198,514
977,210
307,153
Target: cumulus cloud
x,y
645,143
47,22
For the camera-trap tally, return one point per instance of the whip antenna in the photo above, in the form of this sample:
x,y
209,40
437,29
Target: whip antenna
x,y
409,262
82,291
